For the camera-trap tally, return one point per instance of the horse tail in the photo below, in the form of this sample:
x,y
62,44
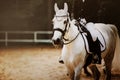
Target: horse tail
x,y
116,59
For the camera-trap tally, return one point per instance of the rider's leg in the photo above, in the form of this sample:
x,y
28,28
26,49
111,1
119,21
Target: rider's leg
x,y
97,53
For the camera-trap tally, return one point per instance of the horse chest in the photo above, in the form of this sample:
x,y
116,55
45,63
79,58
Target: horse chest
x,y
74,56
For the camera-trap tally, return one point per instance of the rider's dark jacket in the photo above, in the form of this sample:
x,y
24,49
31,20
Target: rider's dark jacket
x,y
102,11
87,9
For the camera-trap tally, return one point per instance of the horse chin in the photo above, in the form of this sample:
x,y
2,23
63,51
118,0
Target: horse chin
x,y
57,44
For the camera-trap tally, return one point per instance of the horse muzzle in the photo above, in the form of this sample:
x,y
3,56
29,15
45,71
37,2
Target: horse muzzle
x,y
57,41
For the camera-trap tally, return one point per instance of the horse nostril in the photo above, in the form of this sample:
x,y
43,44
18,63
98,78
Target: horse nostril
x,y
57,41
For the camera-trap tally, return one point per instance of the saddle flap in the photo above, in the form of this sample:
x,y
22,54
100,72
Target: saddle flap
x,y
96,35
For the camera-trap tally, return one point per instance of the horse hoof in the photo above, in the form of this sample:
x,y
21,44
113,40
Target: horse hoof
x,y
88,75
104,71
67,74
61,61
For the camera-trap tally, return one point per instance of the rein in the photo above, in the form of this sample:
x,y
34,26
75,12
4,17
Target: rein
x,y
80,32
58,29
71,40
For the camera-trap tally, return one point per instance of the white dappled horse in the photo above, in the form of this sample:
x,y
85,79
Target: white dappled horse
x,y
74,52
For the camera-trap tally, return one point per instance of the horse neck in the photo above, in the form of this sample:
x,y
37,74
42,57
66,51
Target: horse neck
x,y
72,31
78,43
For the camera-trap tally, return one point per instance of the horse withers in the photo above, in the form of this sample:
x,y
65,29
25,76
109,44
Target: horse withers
x,y
74,51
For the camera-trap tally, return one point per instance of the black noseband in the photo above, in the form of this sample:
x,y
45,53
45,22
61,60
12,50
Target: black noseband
x,y
58,29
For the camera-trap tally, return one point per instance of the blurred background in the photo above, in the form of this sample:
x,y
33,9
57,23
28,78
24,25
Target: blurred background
x,y
29,21
24,15
25,21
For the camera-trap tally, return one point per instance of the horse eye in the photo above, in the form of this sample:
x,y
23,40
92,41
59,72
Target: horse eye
x,y
65,22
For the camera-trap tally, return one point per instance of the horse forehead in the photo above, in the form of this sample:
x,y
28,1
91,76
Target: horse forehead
x,y
61,13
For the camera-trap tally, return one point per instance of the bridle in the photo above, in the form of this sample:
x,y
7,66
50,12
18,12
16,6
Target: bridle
x,y
60,30
67,26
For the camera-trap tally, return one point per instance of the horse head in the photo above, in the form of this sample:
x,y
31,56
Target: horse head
x,y
60,23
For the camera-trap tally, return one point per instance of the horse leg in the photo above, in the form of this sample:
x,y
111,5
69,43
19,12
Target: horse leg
x,y
87,63
74,75
70,73
108,73
78,69
86,71
103,67
95,71
108,62
108,65
108,69
77,74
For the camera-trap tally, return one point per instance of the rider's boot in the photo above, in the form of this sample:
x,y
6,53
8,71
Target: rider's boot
x,y
97,54
97,59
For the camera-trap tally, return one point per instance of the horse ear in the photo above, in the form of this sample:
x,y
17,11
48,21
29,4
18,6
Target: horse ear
x,y
56,7
66,7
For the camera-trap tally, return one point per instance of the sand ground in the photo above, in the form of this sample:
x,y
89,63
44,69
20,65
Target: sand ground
x,y
34,63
